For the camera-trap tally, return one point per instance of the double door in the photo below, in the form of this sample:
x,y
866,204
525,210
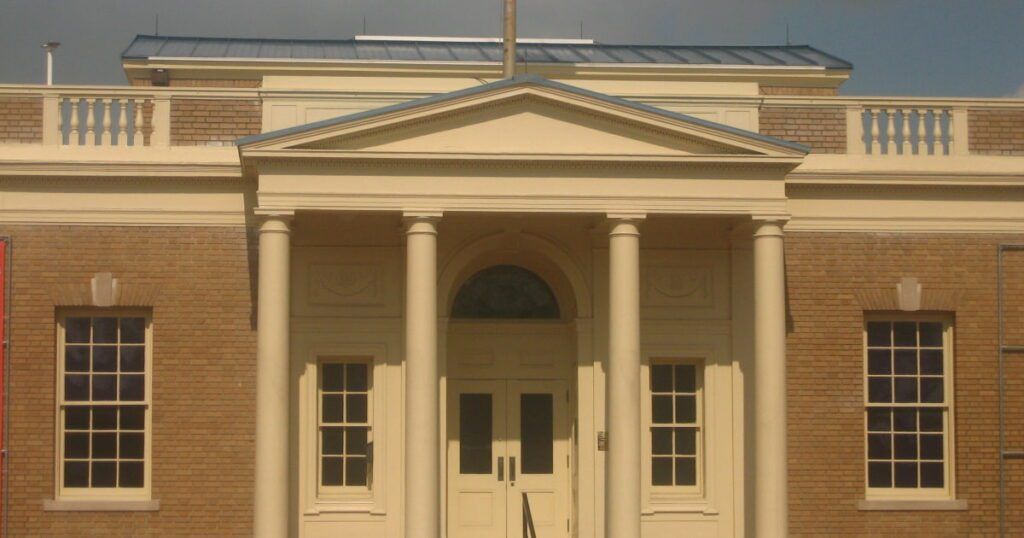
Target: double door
x,y
508,459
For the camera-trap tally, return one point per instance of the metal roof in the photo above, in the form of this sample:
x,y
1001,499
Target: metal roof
x,y
518,80
462,50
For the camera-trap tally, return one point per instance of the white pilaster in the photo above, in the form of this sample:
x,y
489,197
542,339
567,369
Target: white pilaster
x,y
271,503
422,398
770,500
622,477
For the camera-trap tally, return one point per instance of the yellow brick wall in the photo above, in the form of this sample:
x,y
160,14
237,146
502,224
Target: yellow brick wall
x,y
214,122
825,272
21,120
203,373
996,132
823,129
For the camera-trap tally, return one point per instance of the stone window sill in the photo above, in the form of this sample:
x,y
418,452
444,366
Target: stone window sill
x,y
911,505
98,505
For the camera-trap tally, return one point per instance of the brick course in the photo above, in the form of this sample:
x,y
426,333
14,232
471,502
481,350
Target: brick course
x,y
823,129
825,275
996,132
214,122
21,120
798,90
203,83
203,373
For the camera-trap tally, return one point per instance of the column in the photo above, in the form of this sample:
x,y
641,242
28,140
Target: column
x,y
622,476
422,398
271,508
770,501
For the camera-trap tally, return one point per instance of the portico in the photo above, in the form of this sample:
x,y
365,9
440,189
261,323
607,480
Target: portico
x,y
499,168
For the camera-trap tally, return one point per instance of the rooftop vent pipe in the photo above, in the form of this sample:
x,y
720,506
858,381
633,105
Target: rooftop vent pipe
x,y
509,58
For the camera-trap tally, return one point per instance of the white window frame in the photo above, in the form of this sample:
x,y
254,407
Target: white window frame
x,y
948,491
674,493
345,492
115,493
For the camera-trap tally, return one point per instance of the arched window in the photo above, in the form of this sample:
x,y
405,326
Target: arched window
x,y
505,292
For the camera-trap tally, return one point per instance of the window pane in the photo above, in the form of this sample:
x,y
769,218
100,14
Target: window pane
x,y
76,388
686,441
76,445
333,441
878,333
932,475
686,378
905,361
661,471
904,420
355,471
536,426
133,388
880,474
104,418
355,441
104,387
931,334
104,330
931,390
130,474
104,446
931,447
879,446
133,330
879,420
686,471
505,292
333,409
662,409
880,390
355,405
76,359
356,378
76,474
686,409
133,358
76,418
132,446
906,389
104,474
77,330
475,426
133,418
904,333
104,359
332,377
661,441
905,447
661,378
931,420
332,471
905,475
931,361
880,361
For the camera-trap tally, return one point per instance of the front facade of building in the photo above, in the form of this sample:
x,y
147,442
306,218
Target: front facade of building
x,y
369,288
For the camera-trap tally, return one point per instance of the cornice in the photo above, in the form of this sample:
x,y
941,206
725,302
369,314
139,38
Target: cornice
x,y
94,169
123,217
946,225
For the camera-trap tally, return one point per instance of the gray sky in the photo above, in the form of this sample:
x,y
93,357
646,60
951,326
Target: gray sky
x,y
915,47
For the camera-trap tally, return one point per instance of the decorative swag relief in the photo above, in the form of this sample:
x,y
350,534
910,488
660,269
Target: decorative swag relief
x,y
677,284
345,284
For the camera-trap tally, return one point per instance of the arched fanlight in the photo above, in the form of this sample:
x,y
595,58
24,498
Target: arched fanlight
x,y
505,292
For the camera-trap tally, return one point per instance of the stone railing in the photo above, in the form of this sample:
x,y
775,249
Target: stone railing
x,y
904,129
104,118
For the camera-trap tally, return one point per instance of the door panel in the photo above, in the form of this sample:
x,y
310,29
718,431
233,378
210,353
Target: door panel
x,y
477,499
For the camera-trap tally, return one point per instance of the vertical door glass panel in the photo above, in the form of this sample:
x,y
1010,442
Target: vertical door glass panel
x,y
537,430
475,433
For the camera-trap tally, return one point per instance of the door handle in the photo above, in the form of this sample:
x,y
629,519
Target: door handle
x,y
512,469
501,468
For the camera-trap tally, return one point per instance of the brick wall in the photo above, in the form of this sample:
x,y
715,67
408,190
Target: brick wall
x,y
996,132
825,274
21,120
203,83
203,373
823,129
213,122
798,90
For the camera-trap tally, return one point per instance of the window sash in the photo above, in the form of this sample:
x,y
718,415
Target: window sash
x,y
696,425
346,425
64,405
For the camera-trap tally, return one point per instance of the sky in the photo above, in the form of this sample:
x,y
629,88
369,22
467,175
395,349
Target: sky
x,y
898,47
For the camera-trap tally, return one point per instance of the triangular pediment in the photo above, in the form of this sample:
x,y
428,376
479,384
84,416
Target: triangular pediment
x,y
522,117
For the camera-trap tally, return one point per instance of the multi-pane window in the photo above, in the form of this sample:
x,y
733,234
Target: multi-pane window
x,y
907,407
103,402
344,424
675,423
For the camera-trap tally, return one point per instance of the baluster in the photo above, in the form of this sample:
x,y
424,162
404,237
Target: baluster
x,y
60,121
876,144
937,142
122,122
90,122
73,136
106,137
949,131
138,139
890,132
922,134
906,131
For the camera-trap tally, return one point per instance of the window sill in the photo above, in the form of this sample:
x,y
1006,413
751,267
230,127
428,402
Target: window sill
x,y
911,505
100,505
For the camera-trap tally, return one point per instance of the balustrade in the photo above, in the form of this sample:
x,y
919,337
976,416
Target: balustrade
x,y
905,130
124,120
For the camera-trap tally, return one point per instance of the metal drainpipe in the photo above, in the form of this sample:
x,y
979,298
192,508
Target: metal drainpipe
x,y
1003,453
5,466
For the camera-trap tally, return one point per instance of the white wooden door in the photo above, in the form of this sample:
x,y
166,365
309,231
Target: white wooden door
x,y
507,439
